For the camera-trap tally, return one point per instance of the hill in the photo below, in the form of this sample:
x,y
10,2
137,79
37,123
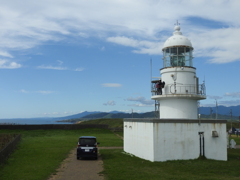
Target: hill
x,y
79,115
120,115
223,110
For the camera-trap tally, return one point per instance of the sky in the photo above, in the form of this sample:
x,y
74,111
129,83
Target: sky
x,y
61,57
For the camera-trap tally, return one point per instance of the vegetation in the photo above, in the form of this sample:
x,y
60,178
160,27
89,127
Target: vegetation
x,y
112,123
122,115
233,124
120,166
220,116
40,152
5,139
52,146
111,116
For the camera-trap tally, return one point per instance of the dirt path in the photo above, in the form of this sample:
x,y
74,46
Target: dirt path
x,y
73,169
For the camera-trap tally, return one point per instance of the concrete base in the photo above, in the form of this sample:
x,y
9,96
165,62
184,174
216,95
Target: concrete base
x,y
171,139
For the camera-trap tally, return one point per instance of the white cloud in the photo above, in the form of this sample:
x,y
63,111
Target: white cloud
x,y
233,94
142,25
45,92
60,62
102,48
143,47
142,102
218,44
39,92
24,91
79,69
111,85
110,103
52,67
6,64
214,97
5,54
229,103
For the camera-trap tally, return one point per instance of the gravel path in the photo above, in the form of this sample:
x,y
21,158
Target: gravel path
x,y
86,169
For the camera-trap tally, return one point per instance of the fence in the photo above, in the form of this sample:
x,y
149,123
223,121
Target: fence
x,y
9,148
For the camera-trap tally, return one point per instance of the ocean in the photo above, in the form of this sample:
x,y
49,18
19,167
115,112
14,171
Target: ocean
x,y
32,121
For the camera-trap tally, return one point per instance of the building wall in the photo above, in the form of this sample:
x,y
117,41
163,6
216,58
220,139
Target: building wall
x,y
138,139
184,77
178,108
162,140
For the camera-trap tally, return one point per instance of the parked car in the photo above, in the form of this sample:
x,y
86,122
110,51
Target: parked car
x,y
87,147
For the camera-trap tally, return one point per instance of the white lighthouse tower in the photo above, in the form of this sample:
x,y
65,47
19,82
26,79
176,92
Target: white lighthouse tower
x,y
179,98
178,133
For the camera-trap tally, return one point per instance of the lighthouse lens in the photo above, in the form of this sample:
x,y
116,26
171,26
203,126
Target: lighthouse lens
x,y
177,57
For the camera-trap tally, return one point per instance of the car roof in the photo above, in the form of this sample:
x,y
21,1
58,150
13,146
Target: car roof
x,y
87,137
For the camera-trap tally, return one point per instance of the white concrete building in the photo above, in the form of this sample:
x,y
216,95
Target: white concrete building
x,y
178,133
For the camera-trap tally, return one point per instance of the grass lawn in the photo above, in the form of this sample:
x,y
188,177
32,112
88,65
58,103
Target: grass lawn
x,y
119,166
112,123
236,138
40,152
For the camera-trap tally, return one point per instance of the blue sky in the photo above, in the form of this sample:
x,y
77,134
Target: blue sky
x,y
60,57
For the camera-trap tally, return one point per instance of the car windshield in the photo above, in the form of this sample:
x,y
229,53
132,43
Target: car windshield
x,y
88,141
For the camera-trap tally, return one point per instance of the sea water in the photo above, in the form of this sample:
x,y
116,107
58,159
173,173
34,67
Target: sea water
x,y
32,121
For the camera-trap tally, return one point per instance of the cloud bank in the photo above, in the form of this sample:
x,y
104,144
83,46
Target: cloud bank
x,y
142,25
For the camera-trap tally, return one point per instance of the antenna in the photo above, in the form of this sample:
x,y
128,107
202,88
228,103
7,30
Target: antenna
x,y
151,74
216,109
177,23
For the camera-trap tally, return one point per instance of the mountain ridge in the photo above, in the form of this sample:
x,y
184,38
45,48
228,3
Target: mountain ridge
x,y
204,111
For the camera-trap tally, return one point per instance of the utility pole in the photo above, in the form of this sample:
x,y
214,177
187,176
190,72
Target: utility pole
x,y
211,113
231,117
216,109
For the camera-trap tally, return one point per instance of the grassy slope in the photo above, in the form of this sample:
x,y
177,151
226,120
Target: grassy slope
x,y
119,166
41,151
39,147
113,123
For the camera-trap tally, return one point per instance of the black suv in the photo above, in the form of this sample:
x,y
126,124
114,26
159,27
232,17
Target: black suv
x,y
87,147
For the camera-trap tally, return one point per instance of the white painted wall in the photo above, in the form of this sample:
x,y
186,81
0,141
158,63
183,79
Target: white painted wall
x,y
184,77
138,139
158,141
178,108
180,96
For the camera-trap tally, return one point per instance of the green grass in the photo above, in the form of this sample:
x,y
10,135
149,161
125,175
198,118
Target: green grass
x,y
112,123
236,138
40,152
119,133
119,166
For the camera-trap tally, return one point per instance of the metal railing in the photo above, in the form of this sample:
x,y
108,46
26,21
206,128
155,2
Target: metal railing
x,y
180,89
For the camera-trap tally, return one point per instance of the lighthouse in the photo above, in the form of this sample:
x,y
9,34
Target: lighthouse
x,y
182,91
178,133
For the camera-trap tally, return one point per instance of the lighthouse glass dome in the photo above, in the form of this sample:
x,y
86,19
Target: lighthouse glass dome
x,y
177,50
177,56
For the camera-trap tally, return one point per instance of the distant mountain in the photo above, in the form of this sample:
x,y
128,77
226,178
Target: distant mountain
x,y
120,115
76,116
223,110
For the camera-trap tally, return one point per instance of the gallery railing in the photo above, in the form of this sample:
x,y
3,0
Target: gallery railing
x,y
175,88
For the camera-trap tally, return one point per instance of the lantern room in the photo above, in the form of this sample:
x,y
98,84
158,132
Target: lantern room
x,y
177,50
